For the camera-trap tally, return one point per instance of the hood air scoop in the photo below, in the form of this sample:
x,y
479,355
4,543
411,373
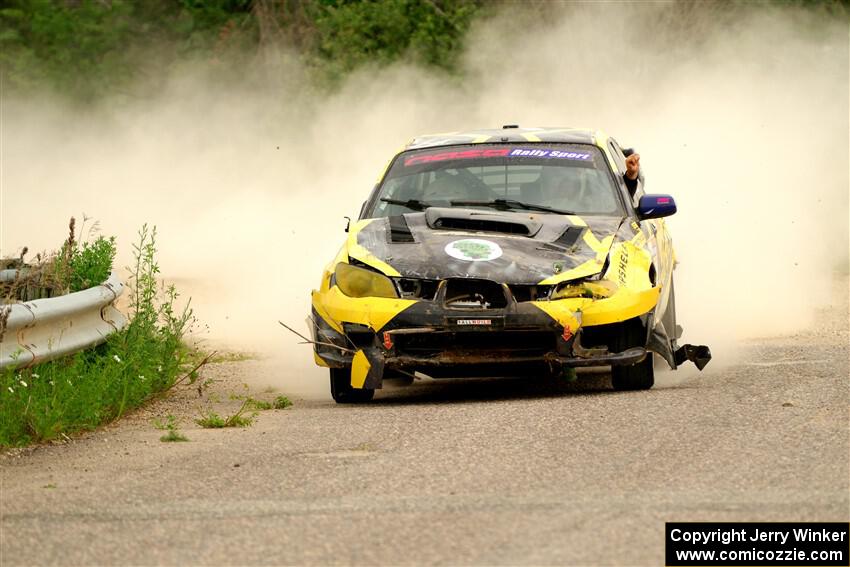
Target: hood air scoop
x,y
480,221
399,230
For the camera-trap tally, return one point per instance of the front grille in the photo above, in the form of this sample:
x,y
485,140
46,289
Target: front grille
x,y
414,288
498,343
523,293
471,293
474,294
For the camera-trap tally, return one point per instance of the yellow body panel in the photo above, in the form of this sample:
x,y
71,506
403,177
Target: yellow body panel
x,y
565,311
621,306
586,312
374,312
362,254
334,307
359,369
629,266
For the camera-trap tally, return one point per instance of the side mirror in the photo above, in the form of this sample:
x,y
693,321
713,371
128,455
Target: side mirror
x,y
656,206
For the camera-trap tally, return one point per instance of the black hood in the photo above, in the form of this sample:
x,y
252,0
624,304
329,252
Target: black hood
x,y
507,247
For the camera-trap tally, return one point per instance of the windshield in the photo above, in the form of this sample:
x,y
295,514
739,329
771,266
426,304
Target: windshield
x,y
550,179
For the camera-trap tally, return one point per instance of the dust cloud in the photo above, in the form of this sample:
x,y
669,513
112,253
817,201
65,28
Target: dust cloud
x,y
741,114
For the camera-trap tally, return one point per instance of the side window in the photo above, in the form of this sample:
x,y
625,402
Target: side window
x,y
617,153
620,158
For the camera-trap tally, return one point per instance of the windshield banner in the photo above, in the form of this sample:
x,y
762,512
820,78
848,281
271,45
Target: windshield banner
x,y
498,152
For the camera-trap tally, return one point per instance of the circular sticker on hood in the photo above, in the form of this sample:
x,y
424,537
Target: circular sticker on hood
x,y
473,250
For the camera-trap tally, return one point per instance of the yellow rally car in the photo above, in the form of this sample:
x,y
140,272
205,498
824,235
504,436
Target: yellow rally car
x,y
502,252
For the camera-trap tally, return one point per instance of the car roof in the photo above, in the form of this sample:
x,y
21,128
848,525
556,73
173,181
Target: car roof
x,y
508,134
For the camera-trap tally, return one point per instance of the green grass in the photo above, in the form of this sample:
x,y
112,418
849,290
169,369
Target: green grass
x,y
198,354
170,425
232,357
211,420
280,402
243,417
261,405
173,436
99,385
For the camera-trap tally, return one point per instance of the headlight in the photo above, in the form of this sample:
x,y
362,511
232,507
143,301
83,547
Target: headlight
x,y
359,282
588,289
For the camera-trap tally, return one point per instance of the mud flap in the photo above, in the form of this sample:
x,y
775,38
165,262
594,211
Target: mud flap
x,y
367,369
698,354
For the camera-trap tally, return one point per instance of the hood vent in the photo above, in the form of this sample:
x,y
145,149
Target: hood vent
x,y
480,225
399,231
570,236
471,220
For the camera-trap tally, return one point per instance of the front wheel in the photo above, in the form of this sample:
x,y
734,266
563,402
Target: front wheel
x,y
342,391
639,376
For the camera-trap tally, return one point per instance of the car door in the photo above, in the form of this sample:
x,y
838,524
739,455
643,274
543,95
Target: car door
x,y
657,236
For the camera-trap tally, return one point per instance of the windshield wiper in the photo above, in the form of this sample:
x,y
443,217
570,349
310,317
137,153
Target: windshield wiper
x,y
412,204
508,204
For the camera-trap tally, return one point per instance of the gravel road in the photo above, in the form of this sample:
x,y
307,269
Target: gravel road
x,y
482,472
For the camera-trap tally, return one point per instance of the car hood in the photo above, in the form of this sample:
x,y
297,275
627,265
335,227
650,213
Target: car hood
x,y
507,247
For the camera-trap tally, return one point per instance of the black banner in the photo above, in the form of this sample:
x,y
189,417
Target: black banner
x,y
811,544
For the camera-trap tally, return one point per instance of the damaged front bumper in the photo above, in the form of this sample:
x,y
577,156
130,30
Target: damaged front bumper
x,y
373,335
450,352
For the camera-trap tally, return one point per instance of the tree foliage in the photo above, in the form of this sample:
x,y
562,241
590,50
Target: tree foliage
x,y
88,48
352,33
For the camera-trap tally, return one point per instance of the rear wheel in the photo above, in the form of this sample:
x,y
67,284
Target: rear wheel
x,y
638,376
342,391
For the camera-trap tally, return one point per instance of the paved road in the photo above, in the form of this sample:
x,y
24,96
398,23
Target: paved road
x,y
484,472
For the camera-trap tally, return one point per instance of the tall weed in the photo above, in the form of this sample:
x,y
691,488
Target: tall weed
x,y
99,385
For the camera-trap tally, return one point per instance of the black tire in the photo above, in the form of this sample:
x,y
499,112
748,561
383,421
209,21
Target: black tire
x,y
639,376
341,389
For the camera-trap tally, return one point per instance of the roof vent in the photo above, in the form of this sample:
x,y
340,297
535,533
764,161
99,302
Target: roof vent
x,y
509,126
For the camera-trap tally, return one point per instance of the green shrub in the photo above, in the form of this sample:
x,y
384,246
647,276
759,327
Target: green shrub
x,y
98,385
76,267
351,34
91,264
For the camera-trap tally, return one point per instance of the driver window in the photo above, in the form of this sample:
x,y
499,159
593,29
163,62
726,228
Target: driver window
x,y
617,153
620,158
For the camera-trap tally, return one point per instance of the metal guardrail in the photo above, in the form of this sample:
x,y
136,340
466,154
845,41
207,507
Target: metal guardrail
x,y
44,329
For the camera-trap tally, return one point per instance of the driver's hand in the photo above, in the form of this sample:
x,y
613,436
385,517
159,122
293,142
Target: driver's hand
x,y
633,166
